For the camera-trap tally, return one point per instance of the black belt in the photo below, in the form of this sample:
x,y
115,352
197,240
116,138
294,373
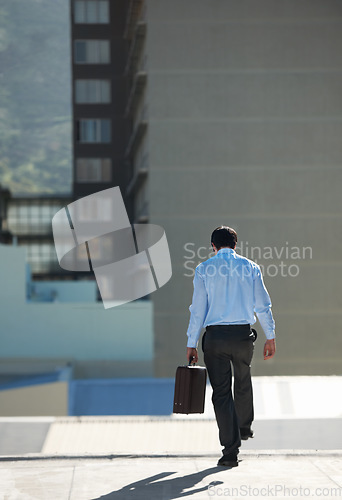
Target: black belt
x,y
230,328
234,329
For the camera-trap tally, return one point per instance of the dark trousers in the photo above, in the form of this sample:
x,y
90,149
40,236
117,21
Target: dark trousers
x,y
225,346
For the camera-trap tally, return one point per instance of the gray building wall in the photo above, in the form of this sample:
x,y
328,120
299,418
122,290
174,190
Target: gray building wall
x,y
244,128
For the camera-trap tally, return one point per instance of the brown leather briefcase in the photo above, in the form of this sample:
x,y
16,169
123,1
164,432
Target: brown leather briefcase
x,y
190,387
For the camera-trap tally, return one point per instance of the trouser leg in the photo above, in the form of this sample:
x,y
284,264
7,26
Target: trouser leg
x,y
218,363
243,392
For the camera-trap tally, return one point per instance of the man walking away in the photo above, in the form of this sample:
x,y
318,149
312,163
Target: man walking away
x,y
228,291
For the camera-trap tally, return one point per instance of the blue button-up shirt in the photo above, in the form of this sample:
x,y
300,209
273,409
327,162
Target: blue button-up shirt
x,y
228,290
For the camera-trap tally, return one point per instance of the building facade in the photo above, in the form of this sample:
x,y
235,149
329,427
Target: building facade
x,y
99,95
241,109
28,220
232,114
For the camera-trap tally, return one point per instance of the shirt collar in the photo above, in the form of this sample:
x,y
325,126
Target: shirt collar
x,y
226,250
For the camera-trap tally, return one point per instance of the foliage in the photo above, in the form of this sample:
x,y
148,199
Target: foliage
x,y
35,100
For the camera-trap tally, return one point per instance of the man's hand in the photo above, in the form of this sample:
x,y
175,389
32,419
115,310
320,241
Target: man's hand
x,y
269,349
192,353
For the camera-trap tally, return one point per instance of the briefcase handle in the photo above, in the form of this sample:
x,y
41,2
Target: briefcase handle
x,y
190,361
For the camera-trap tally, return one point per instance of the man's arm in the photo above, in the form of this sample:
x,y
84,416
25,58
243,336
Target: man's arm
x,y
198,310
262,307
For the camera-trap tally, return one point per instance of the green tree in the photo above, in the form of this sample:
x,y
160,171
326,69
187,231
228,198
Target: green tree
x,y
35,101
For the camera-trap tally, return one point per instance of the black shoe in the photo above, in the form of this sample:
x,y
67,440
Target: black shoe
x,y
246,434
229,460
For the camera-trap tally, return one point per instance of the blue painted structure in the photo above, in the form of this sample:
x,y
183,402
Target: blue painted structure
x,y
13,381
133,396
62,291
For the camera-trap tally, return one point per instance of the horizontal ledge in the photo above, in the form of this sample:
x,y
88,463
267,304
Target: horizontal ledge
x,y
284,312
251,453
237,216
241,71
250,119
252,21
272,167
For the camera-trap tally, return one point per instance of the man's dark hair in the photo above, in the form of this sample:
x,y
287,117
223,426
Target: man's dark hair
x,y
224,236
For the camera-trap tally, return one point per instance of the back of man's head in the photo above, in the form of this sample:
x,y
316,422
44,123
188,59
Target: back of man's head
x,y
224,236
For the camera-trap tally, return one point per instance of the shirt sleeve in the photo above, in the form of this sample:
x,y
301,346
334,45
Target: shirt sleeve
x,y
262,306
198,310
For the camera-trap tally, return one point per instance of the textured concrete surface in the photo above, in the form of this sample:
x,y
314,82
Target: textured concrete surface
x,y
143,458
259,475
141,435
22,436
154,435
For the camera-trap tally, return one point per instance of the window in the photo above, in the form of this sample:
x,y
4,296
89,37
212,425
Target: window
x,y
91,11
89,131
31,217
92,52
93,170
95,209
41,256
92,91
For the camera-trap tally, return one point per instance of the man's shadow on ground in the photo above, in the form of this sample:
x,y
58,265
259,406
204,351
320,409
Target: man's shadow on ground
x,y
153,489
